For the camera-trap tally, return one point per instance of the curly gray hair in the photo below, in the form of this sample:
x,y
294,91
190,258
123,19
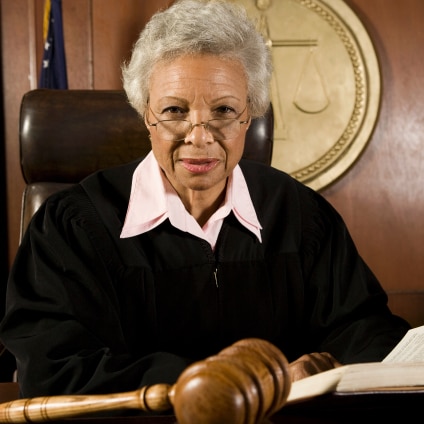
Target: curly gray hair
x,y
215,27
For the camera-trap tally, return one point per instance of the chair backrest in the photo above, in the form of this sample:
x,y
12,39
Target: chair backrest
x,y
66,135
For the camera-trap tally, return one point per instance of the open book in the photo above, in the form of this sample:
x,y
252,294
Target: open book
x,y
402,370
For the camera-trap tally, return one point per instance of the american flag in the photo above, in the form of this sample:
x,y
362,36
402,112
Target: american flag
x,y
53,70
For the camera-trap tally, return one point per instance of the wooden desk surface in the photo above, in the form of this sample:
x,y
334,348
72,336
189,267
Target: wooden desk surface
x,y
328,409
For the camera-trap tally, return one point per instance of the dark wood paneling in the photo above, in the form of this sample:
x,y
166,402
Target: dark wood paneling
x,y
382,196
16,55
114,32
77,28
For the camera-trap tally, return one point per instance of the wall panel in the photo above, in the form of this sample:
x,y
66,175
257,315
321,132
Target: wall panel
x,y
17,61
382,196
114,32
78,34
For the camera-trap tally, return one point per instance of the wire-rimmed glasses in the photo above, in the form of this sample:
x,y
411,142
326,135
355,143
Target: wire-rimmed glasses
x,y
179,129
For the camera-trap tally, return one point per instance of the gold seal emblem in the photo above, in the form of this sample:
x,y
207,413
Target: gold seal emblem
x,y
325,86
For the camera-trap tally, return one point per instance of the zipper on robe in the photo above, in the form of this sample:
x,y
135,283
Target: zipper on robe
x,y
215,274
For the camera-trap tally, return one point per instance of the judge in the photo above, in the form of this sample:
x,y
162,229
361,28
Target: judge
x,y
126,278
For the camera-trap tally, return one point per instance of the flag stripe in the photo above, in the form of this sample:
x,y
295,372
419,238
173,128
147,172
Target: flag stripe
x,y
53,67
46,19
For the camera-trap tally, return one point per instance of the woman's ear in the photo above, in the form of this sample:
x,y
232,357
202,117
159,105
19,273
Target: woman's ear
x,y
248,123
146,122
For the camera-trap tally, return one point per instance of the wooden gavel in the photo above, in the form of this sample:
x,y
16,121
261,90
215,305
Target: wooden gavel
x,y
243,384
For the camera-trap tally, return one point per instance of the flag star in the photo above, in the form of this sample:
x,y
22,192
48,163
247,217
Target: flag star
x,y
46,45
45,63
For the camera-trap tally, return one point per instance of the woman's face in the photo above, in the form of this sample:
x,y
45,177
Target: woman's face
x,y
197,89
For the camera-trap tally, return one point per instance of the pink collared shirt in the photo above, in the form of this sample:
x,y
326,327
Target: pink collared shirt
x,y
153,200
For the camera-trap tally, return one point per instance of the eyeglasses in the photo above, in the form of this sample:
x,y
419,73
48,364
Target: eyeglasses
x,y
179,129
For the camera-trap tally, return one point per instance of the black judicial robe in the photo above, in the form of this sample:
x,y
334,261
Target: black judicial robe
x,y
89,312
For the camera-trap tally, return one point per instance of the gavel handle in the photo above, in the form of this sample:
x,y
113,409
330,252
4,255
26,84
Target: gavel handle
x,y
157,398
243,383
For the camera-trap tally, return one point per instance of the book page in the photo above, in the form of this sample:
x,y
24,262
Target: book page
x,y
376,376
315,385
410,348
402,367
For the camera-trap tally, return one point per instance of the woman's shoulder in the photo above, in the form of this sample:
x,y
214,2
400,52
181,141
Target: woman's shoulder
x,y
261,176
105,189
269,186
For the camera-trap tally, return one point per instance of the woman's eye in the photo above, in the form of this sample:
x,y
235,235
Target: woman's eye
x,y
173,111
225,111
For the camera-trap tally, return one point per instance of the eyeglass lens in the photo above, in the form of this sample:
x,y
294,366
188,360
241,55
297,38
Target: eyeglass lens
x,y
221,129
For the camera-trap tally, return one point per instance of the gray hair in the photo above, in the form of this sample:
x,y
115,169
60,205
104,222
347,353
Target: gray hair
x,y
214,27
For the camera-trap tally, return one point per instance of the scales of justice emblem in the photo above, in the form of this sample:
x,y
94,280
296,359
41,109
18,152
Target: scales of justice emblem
x,y
325,85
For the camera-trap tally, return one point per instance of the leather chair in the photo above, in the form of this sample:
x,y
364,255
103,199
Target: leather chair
x,y
9,390
67,134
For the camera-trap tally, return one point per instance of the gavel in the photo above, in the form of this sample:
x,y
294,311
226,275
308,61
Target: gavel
x,y
243,384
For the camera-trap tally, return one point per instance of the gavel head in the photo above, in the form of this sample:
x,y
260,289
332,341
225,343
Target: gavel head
x,y
242,384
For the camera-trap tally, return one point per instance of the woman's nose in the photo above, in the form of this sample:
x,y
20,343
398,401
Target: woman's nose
x,y
199,134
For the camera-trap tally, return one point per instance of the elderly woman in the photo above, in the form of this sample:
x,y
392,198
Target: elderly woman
x,y
128,277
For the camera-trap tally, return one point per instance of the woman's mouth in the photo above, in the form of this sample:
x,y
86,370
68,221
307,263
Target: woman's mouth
x,y
198,166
